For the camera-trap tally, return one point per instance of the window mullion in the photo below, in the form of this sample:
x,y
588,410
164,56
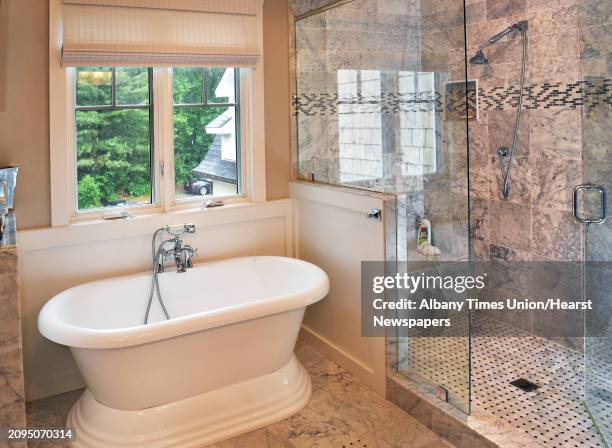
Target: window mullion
x,y
205,87
113,87
164,131
71,142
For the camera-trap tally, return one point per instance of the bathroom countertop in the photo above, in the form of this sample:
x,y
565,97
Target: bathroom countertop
x,y
9,237
12,400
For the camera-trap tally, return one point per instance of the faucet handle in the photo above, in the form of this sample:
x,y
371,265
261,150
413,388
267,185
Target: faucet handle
x,y
189,263
190,248
188,252
177,231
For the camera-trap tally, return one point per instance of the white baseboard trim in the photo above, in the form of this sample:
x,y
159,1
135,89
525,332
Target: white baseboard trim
x,y
364,373
47,387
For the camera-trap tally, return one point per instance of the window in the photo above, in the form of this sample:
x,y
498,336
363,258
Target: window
x,y
206,132
114,137
115,128
418,139
360,125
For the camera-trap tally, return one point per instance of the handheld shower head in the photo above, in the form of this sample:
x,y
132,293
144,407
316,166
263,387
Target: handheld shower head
x,y
479,58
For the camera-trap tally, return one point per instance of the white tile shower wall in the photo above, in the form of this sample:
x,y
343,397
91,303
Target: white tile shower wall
x,y
52,260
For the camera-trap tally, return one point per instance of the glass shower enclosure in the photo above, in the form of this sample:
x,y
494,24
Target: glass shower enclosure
x,y
380,106
385,101
596,47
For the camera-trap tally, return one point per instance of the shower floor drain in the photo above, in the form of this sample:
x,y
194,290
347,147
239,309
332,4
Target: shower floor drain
x,y
524,385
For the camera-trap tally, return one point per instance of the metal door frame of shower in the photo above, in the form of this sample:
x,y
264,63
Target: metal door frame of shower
x,y
321,9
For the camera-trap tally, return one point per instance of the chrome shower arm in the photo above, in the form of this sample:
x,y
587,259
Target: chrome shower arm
x,y
519,26
497,37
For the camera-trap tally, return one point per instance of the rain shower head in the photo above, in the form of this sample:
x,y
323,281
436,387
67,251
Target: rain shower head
x,y
479,59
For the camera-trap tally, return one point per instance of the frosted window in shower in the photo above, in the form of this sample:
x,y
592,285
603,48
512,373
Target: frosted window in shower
x,y
359,125
417,122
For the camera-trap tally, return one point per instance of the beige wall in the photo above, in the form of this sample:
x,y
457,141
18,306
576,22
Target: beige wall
x,y
24,104
278,109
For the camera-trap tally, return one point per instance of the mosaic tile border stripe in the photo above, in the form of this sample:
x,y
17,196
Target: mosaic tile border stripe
x,y
589,93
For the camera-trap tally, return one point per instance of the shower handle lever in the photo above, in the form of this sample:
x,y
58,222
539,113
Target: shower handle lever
x,y
504,153
575,206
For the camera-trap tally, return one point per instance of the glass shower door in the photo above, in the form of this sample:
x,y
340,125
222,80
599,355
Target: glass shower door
x,y
597,177
598,278
598,288
373,79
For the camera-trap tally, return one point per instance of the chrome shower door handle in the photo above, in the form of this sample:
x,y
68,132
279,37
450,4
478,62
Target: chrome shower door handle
x,y
602,196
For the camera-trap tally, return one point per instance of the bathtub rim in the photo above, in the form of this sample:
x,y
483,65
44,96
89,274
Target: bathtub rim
x,y
52,327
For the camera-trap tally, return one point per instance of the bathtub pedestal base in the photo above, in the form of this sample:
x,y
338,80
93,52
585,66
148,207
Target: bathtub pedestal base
x,y
197,421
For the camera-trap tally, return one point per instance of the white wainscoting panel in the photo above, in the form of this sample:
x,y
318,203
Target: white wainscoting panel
x,y
54,259
332,231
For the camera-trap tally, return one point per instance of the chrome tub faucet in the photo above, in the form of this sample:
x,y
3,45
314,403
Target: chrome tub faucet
x,y
182,254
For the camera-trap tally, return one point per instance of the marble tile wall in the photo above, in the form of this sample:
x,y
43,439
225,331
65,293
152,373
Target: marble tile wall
x,y
12,397
361,38
396,38
567,54
596,64
548,157
445,195
563,131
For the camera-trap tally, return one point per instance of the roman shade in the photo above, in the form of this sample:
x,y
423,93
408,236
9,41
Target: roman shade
x,y
153,33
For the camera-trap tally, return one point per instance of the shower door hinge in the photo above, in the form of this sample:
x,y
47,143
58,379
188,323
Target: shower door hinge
x,y
442,393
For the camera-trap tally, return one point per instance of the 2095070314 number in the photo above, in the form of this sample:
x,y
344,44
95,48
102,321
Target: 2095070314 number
x,y
37,434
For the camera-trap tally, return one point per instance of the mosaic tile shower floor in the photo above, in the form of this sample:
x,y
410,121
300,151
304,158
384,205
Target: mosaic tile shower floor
x,y
554,414
342,412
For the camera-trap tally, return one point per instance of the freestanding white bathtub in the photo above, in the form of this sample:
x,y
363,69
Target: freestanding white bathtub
x,y
222,365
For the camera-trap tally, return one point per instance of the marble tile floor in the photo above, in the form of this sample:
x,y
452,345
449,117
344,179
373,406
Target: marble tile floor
x,y
343,413
554,415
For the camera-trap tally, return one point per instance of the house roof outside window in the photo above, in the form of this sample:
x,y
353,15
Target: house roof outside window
x,y
219,163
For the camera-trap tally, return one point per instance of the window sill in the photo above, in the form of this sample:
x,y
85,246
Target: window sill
x,y
154,212
154,209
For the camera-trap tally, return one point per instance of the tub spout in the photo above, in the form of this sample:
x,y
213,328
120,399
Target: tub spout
x,y
180,265
182,255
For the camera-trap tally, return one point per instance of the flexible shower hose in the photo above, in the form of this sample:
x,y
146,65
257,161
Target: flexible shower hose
x,y
506,172
154,281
